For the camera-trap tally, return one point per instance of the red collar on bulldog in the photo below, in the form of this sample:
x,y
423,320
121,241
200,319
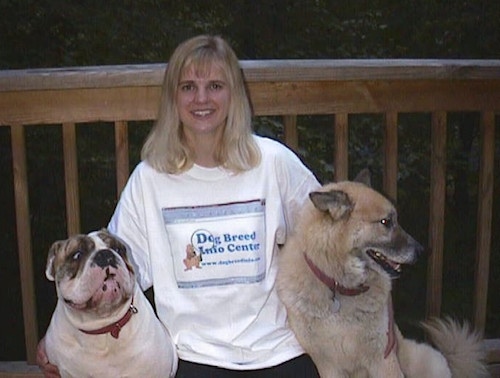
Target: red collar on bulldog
x,y
115,328
331,283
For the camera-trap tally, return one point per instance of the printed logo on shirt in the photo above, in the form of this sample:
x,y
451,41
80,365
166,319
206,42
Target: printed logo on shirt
x,y
219,244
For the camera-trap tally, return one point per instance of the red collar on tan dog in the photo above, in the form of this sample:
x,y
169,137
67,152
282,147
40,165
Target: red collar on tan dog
x,y
331,283
116,327
336,287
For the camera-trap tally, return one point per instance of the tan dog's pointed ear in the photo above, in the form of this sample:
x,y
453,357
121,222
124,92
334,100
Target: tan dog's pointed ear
x,y
364,177
336,202
49,268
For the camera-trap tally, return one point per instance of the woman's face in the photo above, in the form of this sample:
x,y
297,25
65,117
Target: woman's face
x,y
203,101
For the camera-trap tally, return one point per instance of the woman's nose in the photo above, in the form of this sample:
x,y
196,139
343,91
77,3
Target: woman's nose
x,y
200,95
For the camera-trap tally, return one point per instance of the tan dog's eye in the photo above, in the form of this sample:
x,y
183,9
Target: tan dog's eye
x,y
387,222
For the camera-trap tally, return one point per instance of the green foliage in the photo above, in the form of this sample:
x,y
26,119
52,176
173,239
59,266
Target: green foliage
x,y
55,33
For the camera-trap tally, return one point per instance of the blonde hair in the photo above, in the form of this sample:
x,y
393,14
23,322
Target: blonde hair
x,y
165,148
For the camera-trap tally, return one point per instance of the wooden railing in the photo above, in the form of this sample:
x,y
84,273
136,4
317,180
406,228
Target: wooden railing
x,y
286,88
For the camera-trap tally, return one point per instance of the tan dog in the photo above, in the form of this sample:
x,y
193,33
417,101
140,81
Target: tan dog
x,y
335,281
103,325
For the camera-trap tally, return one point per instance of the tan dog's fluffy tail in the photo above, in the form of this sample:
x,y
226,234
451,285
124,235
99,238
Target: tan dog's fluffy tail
x,y
461,346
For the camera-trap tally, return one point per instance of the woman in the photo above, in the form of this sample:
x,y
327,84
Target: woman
x,y
205,213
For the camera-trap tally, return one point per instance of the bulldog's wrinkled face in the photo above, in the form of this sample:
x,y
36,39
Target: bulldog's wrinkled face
x,y
91,272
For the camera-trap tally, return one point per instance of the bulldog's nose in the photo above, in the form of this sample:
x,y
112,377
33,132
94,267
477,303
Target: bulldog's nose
x,y
105,258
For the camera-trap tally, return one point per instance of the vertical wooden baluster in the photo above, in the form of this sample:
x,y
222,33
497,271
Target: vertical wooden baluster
x,y
71,179
484,218
23,227
341,141
391,155
291,133
436,221
122,156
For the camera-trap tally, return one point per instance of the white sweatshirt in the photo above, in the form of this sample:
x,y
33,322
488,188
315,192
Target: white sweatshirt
x,y
207,241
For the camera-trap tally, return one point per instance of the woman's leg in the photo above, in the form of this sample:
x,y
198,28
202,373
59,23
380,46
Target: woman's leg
x,y
299,367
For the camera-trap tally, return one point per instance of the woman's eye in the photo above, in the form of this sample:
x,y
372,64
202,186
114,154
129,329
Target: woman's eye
x,y
215,86
187,87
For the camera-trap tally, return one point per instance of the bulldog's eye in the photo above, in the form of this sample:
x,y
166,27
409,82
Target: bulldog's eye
x,y
120,250
77,255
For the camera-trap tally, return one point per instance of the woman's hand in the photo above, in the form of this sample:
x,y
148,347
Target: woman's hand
x,y
48,370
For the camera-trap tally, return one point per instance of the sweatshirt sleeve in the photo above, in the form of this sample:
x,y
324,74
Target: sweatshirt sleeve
x,y
296,181
128,223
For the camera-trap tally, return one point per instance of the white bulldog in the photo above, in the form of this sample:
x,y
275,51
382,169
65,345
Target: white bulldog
x,y
103,325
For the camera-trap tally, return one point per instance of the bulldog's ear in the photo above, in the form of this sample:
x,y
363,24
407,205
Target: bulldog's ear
x,y
336,202
49,268
364,177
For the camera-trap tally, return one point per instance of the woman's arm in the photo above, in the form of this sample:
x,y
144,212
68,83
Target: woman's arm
x,y
48,370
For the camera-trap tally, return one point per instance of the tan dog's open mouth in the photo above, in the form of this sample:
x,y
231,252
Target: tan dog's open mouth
x,y
392,268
